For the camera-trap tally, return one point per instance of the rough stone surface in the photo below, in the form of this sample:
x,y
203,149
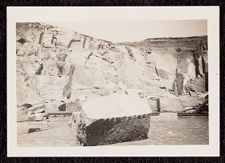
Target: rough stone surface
x,y
45,53
114,130
115,105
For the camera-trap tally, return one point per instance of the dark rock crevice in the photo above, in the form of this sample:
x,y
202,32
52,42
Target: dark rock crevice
x,y
197,59
22,40
71,42
89,56
67,88
38,72
130,53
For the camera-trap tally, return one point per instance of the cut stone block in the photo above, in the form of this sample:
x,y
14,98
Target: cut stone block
x,y
113,119
154,104
37,108
170,104
116,130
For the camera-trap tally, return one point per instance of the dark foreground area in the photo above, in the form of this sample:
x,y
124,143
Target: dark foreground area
x,y
166,129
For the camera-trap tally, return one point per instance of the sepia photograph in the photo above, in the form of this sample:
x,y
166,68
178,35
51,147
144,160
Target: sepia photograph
x,y
111,83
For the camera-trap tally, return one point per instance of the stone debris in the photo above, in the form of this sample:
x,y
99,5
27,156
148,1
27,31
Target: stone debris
x,y
36,113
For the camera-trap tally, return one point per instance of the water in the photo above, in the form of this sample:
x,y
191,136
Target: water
x,y
166,129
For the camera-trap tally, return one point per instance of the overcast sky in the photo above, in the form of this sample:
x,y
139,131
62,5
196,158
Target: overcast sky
x,y
137,31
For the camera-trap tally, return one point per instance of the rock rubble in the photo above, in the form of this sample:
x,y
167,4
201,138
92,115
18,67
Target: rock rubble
x,y
55,65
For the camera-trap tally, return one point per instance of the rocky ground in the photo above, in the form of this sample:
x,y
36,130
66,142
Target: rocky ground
x,y
57,68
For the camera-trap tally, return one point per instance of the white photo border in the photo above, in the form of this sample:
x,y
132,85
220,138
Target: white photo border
x,y
82,14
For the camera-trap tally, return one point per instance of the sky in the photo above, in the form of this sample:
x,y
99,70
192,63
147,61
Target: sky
x,y
137,30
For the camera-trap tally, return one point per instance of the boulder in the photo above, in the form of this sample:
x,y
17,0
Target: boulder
x,y
38,108
116,105
170,104
70,105
36,112
113,119
154,104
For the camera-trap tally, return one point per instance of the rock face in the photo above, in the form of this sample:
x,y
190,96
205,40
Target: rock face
x,y
55,65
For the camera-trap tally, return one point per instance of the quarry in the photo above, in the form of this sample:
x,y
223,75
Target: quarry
x,y
74,89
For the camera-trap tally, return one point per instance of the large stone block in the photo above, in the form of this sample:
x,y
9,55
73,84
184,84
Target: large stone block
x,y
117,130
113,119
170,104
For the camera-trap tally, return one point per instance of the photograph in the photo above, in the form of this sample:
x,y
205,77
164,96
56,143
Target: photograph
x,y
115,83
75,89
